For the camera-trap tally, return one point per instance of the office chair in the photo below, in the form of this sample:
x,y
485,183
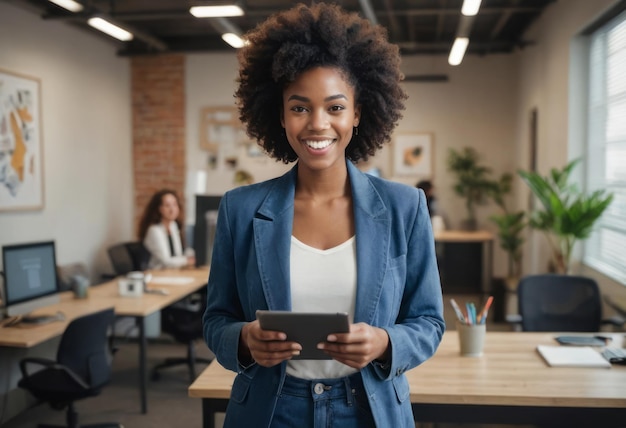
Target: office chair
x,y
82,367
554,302
183,321
128,256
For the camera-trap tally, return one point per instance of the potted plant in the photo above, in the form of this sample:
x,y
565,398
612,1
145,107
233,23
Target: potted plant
x,y
510,226
567,214
472,182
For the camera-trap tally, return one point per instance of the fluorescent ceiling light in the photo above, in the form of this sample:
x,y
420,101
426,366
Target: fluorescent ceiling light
x,y
70,5
110,29
233,40
215,11
470,7
458,50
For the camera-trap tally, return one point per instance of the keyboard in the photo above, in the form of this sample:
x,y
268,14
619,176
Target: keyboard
x,y
615,355
42,319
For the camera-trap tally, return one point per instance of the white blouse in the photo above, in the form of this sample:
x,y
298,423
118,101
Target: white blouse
x,y
157,244
322,281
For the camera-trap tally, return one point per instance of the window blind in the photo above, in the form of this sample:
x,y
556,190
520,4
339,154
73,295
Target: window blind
x,y
605,250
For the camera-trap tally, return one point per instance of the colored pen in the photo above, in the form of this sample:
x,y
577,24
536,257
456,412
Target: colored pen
x,y
470,315
482,317
457,311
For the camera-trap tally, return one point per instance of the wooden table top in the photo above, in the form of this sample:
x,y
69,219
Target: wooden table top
x,y
510,372
28,335
147,304
463,236
105,296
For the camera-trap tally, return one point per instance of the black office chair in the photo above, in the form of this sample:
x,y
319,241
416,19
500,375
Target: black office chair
x,y
183,321
82,367
554,302
128,256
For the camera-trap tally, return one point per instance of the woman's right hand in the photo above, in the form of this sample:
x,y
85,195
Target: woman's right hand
x,y
266,347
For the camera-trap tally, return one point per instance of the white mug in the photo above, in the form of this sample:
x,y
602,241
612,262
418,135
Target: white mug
x,y
132,287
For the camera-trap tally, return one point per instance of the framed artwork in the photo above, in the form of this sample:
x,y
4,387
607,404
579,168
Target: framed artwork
x,y
21,145
221,134
413,155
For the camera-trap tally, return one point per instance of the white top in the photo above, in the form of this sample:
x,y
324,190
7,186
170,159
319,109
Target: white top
x,y
158,246
322,281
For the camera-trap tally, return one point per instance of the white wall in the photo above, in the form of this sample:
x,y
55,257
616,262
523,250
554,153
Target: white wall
x,y
86,116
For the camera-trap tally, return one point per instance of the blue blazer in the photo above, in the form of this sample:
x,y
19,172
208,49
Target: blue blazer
x,y
398,287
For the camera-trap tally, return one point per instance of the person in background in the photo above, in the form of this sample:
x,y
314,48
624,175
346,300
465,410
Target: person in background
x,y
160,231
321,87
431,200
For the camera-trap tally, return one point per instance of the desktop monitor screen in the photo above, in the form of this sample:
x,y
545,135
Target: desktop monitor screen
x,y
30,279
204,229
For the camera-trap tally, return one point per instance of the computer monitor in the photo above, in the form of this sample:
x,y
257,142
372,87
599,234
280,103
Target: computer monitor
x,y
204,228
30,280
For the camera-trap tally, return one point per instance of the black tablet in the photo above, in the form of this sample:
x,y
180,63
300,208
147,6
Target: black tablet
x,y
582,340
306,328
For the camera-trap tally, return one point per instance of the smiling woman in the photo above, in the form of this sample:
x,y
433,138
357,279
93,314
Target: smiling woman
x,y
322,87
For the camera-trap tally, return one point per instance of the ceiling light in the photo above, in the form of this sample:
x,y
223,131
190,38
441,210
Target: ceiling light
x,y
470,7
215,11
110,29
70,5
458,50
233,40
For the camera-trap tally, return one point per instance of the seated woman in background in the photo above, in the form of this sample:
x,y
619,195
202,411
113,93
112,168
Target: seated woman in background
x,y
160,231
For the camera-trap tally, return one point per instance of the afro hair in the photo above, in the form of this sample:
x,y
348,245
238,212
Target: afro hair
x,y
291,42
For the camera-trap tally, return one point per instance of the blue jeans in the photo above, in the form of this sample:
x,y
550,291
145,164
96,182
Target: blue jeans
x,y
323,403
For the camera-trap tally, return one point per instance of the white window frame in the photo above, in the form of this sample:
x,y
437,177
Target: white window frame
x,y
605,145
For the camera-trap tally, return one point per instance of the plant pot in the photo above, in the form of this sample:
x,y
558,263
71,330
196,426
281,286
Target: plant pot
x,y
510,305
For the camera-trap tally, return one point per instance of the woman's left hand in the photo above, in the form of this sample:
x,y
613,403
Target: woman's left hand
x,y
359,347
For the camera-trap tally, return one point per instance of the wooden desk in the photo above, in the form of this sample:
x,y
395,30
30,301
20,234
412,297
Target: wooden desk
x,y
27,336
509,384
106,296
147,304
479,237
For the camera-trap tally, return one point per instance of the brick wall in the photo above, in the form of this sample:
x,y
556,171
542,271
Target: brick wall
x,y
158,105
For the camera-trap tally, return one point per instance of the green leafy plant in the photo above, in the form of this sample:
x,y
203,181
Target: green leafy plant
x,y
567,214
510,225
472,180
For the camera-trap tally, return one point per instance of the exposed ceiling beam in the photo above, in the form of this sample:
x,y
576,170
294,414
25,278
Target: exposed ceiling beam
x,y
83,17
392,18
440,20
366,7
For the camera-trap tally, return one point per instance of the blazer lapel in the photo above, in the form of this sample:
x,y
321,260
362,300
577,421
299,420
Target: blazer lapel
x,y
373,232
273,224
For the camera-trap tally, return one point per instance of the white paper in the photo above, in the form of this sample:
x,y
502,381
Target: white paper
x,y
170,280
572,356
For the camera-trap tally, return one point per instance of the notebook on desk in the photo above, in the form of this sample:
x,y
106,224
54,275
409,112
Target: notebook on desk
x,y
568,356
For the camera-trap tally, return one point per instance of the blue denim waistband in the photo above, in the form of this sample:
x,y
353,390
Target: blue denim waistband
x,y
324,389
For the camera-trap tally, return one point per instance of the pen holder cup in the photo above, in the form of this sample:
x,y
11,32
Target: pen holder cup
x,y
471,339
